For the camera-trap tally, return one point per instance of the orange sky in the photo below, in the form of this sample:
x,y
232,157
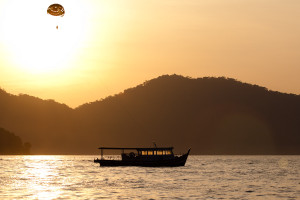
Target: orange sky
x,y
103,47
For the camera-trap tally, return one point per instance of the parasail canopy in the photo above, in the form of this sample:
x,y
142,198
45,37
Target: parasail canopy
x,y
56,10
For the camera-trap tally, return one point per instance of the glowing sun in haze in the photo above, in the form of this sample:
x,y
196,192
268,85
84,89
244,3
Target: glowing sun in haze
x,y
33,42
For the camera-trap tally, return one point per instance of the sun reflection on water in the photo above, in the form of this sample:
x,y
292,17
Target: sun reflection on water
x,y
204,177
42,174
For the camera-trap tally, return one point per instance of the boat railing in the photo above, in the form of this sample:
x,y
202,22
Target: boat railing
x,y
111,157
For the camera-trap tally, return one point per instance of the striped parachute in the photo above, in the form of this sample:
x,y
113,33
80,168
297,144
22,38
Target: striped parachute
x,y
56,10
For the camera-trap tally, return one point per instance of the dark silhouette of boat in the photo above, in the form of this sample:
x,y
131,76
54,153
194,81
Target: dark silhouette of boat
x,y
145,157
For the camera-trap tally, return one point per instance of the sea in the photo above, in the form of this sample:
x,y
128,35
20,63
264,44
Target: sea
x,y
203,177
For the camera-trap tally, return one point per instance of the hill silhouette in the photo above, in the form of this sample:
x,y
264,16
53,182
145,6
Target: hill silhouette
x,y
10,144
43,123
210,115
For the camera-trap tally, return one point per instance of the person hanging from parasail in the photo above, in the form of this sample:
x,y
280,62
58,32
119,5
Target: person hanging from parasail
x,y
56,10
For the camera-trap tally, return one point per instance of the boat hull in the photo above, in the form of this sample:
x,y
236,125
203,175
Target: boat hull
x,y
173,162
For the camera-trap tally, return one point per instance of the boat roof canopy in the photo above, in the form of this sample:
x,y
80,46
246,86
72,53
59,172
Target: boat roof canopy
x,y
138,149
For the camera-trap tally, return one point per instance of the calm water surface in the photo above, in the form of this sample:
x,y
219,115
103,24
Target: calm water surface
x,y
203,177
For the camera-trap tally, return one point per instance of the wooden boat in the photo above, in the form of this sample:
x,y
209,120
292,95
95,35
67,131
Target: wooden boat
x,y
145,157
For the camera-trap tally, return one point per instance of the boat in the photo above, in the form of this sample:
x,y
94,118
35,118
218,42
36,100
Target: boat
x,y
144,157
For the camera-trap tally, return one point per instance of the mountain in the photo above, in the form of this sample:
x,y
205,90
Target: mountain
x,y
43,123
210,115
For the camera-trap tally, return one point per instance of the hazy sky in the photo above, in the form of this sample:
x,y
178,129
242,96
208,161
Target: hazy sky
x,y
103,47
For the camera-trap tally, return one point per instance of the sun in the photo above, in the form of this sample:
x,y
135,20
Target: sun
x,y
33,42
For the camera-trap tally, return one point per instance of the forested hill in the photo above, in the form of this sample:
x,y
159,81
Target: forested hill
x,y
210,115
43,123
10,144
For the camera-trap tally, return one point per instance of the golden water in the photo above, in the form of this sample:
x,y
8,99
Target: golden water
x,y
203,177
